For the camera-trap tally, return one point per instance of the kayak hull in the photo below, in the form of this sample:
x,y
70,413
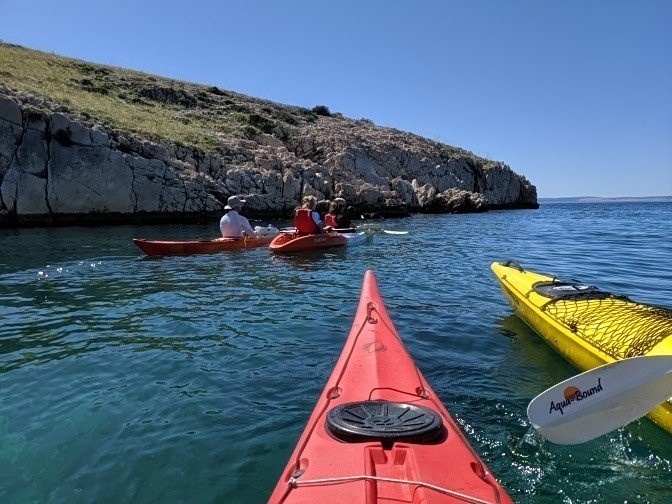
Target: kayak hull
x,y
517,286
294,242
187,247
375,366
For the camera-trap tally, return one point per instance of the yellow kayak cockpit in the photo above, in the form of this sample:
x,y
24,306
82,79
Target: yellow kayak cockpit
x,y
587,326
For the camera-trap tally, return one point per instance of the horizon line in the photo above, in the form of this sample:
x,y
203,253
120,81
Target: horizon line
x,y
605,197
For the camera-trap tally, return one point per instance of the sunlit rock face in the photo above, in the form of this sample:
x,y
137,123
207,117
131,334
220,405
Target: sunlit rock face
x,y
60,166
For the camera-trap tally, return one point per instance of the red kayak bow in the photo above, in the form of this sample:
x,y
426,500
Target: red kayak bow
x,y
379,433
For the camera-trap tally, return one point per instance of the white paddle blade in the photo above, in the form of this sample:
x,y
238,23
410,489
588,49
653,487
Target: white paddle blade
x,y
389,231
603,399
370,226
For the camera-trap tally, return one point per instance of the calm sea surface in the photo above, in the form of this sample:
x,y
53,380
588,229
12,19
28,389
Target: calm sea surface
x,y
126,379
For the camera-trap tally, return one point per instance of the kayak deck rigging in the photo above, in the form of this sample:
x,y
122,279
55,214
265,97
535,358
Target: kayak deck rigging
x,y
366,477
619,327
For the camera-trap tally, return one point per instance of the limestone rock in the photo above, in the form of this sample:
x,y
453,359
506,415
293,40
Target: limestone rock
x,y
84,180
10,111
10,138
8,189
57,164
31,195
148,182
32,154
404,191
528,192
291,186
458,200
269,140
424,194
98,137
368,196
346,191
309,190
501,184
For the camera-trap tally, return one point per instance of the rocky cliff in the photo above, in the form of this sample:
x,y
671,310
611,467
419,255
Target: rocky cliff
x,y
88,143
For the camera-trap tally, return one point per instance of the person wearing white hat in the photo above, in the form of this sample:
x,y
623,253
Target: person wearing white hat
x,y
232,224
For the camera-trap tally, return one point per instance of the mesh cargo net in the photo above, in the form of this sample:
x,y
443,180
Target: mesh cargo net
x,y
617,326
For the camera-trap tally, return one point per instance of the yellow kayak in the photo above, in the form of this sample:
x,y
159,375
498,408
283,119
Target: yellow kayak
x,y
587,326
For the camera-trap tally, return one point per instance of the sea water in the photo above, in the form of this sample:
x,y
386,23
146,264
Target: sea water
x,y
133,379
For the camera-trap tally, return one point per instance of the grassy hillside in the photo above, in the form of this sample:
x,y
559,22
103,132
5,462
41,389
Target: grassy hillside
x,y
155,107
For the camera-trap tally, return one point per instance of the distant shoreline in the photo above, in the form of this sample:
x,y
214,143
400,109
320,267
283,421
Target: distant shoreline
x,y
597,199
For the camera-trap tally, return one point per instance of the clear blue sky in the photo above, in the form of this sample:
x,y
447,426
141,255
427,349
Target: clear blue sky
x,y
576,95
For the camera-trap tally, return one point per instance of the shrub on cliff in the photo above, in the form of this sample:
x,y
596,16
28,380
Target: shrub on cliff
x,y
322,110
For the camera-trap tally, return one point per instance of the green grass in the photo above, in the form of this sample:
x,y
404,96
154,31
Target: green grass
x,y
116,97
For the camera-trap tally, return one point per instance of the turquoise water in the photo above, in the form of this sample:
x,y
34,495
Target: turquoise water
x,y
126,379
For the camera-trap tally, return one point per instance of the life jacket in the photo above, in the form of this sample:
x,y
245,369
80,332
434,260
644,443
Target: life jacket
x,y
303,221
330,220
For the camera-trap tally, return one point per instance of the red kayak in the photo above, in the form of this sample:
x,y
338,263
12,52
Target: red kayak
x,y
379,433
170,247
294,242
